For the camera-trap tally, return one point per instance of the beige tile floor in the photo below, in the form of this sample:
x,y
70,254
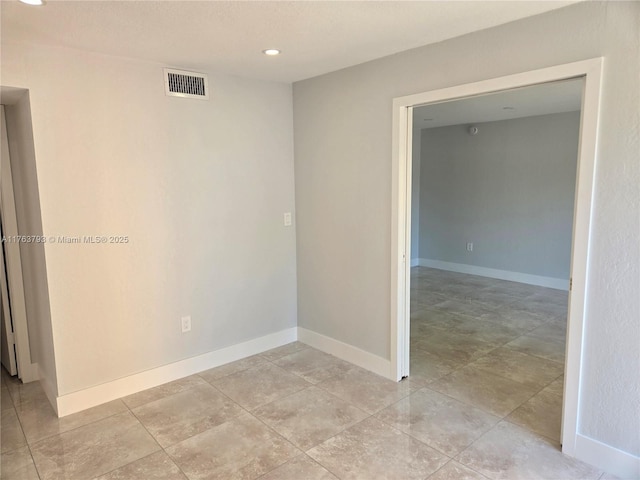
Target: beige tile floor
x,y
483,402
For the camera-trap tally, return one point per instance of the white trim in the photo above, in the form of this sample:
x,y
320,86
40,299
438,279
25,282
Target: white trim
x,y
591,70
607,458
49,391
90,397
27,371
586,174
401,236
346,352
415,262
549,282
30,372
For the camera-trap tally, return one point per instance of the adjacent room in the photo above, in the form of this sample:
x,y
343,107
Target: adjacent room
x,y
492,208
199,210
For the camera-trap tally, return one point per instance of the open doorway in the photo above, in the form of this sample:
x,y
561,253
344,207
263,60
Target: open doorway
x,y
590,71
492,214
7,347
18,325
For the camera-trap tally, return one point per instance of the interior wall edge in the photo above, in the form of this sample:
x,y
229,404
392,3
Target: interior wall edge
x,y
344,351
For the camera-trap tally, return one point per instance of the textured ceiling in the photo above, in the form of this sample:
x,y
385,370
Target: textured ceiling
x,y
315,37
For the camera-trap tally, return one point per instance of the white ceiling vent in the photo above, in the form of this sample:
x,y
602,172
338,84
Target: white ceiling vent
x,y
179,83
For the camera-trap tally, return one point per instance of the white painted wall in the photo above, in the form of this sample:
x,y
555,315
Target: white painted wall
x,y
199,187
509,190
343,131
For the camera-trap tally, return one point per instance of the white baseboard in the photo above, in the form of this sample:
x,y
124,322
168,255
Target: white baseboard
x,y
48,389
346,352
607,458
30,373
549,282
415,262
93,396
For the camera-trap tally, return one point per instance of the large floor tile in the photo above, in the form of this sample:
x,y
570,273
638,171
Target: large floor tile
x,y
557,386
426,297
18,465
477,294
260,385
182,415
494,298
24,393
39,420
94,449
441,422
469,308
520,367
313,365
309,416
551,331
300,468
242,449
548,348
373,450
456,471
521,319
517,289
420,331
368,391
541,414
546,303
11,436
481,329
431,316
157,466
428,367
230,368
287,349
509,452
491,393
5,398
161,391
457,349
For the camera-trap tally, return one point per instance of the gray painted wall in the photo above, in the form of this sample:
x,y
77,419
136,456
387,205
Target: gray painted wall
x,y
509,190
343,125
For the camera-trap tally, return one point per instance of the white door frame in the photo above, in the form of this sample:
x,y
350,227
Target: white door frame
x,y
8,338
27,371
591,71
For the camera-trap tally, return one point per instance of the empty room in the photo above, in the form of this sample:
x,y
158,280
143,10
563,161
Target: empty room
x,y
234,245
493,193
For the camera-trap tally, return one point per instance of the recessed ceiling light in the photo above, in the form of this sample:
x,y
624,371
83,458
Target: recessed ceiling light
x,y
37,3
271,51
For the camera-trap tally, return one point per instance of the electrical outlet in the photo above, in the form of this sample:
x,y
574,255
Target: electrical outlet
x,y
186,324
287,219
470,247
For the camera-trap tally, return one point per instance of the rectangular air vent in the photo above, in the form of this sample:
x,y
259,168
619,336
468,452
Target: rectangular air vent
x,y
178,83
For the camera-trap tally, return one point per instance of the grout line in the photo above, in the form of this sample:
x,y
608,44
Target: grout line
x,y
465,466
163,449
454,298
48,437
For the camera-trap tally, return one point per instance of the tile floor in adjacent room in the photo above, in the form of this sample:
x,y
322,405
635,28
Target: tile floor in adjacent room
x,y
483,401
